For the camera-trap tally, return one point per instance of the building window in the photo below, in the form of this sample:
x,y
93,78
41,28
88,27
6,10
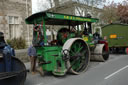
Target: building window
x,y
14,20
14,27
11,20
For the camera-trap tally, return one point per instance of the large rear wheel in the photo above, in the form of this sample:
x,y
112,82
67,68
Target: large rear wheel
x,y
79,55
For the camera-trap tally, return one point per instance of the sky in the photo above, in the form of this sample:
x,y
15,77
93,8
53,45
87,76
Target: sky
x,y
34,4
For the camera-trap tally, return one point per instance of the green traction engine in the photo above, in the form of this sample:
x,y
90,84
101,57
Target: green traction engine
x,y
73,49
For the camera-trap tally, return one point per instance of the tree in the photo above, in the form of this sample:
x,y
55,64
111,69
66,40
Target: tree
x,y
123,12
88,6
115,12
109,14
44,4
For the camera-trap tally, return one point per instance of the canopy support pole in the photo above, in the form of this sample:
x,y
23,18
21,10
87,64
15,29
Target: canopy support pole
x,y
44,32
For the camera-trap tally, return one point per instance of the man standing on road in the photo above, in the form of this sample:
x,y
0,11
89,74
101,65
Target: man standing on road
x,y
33,56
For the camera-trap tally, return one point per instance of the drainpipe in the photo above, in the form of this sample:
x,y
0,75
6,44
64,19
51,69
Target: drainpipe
x,y
27,25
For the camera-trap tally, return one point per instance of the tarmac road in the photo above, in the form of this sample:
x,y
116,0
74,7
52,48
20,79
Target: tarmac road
x,y
112,72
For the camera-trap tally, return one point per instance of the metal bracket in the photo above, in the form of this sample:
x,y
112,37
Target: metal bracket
x,y
65,56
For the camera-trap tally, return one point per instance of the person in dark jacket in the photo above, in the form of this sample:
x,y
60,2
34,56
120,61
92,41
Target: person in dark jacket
x,y
33,56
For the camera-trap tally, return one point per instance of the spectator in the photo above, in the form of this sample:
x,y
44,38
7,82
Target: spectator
x,y
33,56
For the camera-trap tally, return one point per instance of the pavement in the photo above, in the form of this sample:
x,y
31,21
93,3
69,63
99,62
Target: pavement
x,y
28,65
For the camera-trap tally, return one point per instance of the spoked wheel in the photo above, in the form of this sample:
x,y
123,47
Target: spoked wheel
x,y
79,55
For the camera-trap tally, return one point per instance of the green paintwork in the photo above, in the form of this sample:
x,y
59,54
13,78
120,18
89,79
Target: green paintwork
x,y
52,54
61,19
70,17
117,29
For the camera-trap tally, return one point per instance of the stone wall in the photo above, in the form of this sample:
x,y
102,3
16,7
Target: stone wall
x,y
20,9
22,55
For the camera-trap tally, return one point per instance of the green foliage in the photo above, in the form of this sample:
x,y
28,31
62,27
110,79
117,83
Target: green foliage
x,y
17,43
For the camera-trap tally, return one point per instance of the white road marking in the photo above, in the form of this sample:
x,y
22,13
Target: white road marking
x,y
116,72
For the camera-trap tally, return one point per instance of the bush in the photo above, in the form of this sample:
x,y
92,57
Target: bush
x,y
17,43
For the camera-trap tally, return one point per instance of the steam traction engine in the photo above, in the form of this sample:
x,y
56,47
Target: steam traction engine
x,y
73,49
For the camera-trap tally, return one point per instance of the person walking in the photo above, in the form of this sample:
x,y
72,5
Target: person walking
x,y
33,56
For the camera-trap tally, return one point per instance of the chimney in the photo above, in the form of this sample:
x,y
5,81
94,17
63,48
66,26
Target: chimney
x,y
56,2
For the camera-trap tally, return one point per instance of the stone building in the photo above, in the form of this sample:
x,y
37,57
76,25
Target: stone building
x,y
74,7
12,19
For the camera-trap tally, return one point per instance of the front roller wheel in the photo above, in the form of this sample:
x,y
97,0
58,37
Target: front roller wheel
x,y
100,53
79,55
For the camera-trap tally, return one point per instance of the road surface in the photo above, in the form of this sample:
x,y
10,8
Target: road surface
x,y
112,72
